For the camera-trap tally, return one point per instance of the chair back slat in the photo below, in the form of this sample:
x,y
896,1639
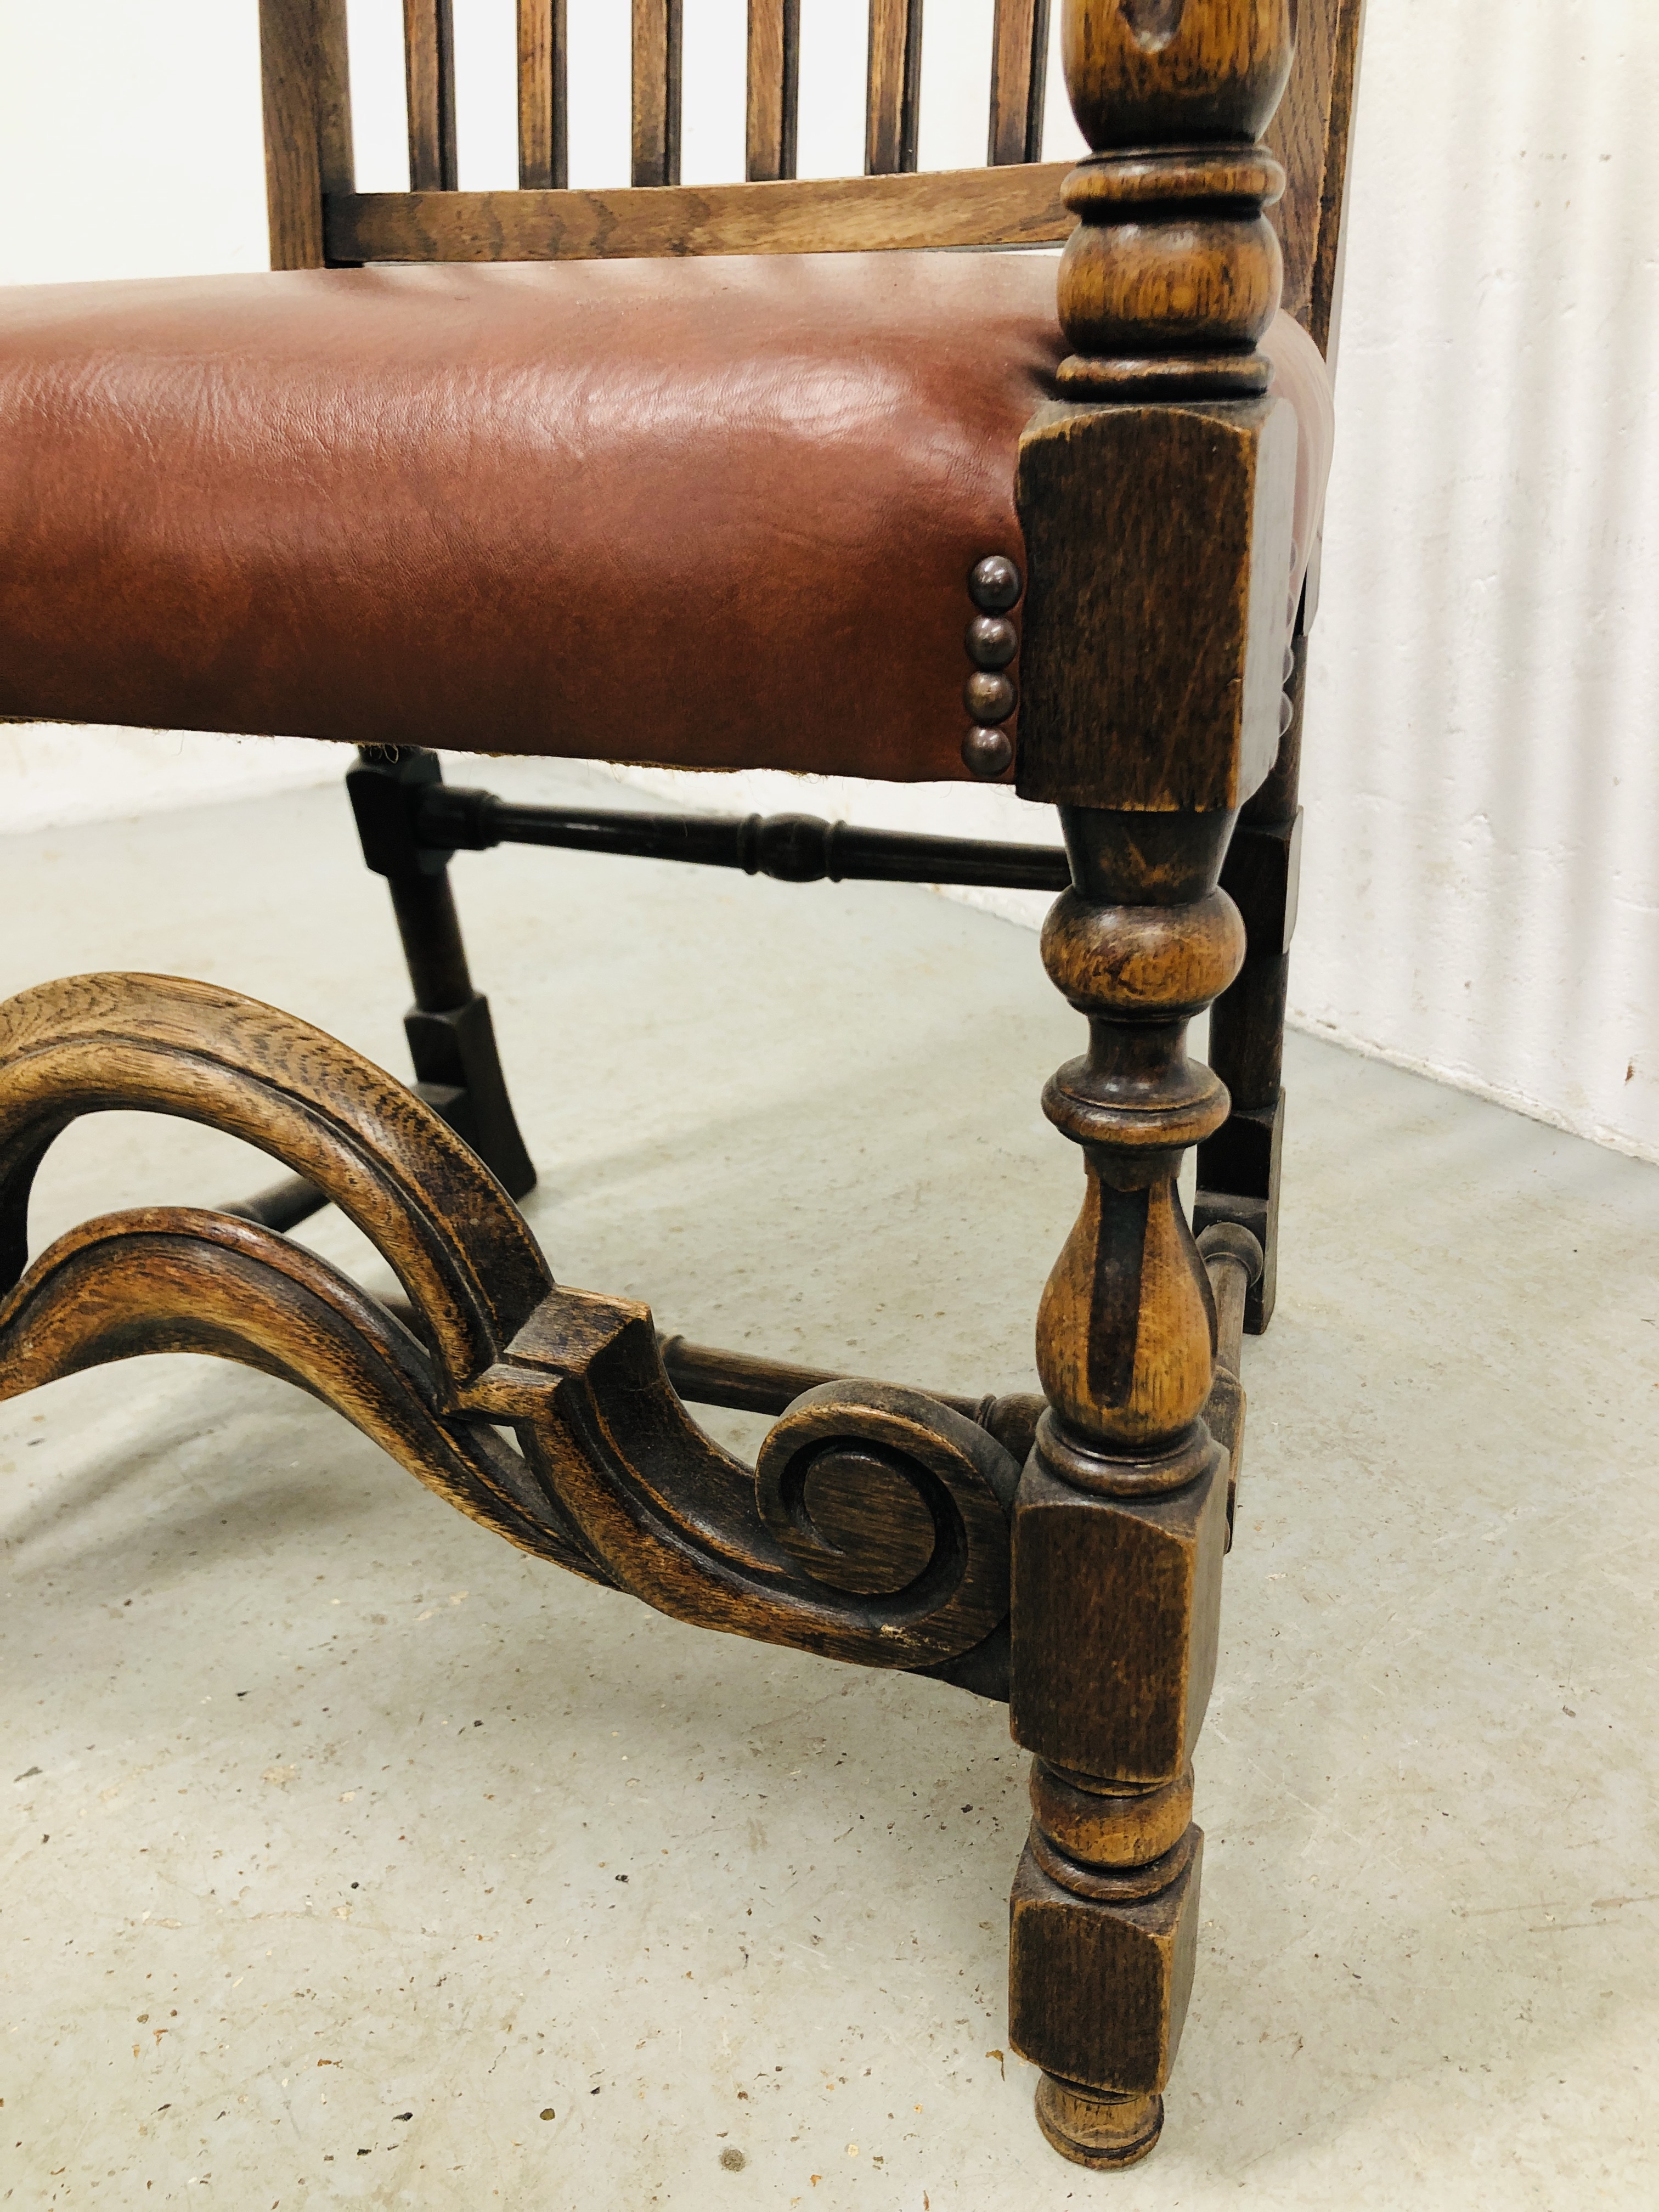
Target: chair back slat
x,y
893,88
656,92
429,89
543,115
774,89
1019,78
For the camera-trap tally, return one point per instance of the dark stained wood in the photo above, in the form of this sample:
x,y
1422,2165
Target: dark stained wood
x,y
429,91
543,95
1152,654
452,1037
1121,1522
850,214
1311,135
656,104
1232,1258
791,848
1019,77
773,105
1239,1168
175,1280
1174,273
1152,661
892,87
705,1376
307,123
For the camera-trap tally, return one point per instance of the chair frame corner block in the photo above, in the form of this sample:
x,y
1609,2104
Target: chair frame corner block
x,y
1063,1552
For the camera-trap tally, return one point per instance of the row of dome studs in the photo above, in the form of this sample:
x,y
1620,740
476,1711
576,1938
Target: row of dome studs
x,y
994,586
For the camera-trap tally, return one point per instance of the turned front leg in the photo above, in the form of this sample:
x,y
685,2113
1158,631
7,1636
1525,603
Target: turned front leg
x,y
1120,1522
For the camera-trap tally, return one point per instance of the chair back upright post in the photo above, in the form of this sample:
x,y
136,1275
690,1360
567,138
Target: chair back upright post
x,y
306,83
1240,1168
1311,135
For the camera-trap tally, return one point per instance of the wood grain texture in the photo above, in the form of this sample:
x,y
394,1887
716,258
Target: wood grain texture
x,y
656,97
178,1279
1154,631
1019,78
910,1569
1239,1174
1158,535
306,90
772,105
543,90
1232,1258
1174,272
892,87
1311,135
852,214
1174,72
429,94
1121,1521
1105,1991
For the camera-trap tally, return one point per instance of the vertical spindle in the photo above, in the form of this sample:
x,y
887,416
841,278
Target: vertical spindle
x,y
774,88
543,115
1019,76
656,92
429,89
893,87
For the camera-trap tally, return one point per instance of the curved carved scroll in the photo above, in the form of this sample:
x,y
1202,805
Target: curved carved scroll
x,y
174,1279
886,1544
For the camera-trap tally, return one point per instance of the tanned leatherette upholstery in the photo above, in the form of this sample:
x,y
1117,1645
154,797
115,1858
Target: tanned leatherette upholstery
x,y
718,513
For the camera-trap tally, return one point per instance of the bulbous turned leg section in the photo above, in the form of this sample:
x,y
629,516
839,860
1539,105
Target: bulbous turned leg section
x,y
1098,2130
1120,1522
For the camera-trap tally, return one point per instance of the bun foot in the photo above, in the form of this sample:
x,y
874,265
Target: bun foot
x,y
1097,2129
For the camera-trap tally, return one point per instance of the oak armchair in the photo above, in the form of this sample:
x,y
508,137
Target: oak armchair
x,y
737,477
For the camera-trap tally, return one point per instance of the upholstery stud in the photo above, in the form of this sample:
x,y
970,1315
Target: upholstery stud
x,y
995,584
989,698
993,640
988,752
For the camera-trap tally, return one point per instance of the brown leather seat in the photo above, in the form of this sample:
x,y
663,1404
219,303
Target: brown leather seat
x,y
716,513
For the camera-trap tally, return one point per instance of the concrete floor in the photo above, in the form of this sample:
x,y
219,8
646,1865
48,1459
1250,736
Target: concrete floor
x,y
355,1857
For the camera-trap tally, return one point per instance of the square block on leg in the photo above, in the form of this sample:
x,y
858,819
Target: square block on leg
x,y
1098,1992
1116,1620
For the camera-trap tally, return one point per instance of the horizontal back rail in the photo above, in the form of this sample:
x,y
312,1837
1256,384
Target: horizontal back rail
x,y
848,214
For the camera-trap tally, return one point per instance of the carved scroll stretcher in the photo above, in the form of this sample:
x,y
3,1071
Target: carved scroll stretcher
x,y
613,1478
